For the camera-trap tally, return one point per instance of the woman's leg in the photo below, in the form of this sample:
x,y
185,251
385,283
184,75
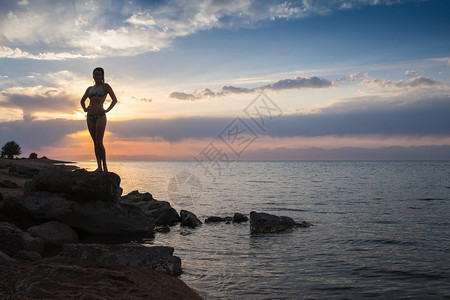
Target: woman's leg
x,y
92,130
100,126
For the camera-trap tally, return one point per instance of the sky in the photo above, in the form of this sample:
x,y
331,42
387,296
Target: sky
x,y
270,80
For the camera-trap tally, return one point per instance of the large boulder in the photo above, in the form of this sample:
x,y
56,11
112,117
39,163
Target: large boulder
x,y
189,219
22,171
78,185
13,240
163,213
267,223
95,217
54,233
83,200
159,258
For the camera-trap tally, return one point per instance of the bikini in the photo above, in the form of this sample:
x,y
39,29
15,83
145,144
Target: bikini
x,y
100,94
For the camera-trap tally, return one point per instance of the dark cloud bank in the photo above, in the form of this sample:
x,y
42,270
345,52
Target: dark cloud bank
x,y
284,84
419,118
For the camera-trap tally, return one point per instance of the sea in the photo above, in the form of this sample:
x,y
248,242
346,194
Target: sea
x,y
381,229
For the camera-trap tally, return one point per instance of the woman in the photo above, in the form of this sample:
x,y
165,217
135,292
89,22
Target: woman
x,y
96,114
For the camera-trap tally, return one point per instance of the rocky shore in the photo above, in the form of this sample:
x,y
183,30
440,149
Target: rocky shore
x,y
69,233
47,212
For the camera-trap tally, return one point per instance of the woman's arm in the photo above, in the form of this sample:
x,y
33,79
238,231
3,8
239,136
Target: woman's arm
x,y
113,97
83,100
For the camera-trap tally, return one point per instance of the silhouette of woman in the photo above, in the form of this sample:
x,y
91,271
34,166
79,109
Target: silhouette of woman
x,y
96,114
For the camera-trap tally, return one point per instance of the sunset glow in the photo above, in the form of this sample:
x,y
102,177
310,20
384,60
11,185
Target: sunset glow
x,y
345,79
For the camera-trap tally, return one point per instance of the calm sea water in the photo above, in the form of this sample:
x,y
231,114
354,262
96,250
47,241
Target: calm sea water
x,y
382,228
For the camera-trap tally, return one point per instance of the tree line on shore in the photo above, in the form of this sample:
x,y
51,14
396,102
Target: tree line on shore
x,y
11,149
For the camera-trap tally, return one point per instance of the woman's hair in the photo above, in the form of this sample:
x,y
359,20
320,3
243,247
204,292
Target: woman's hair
x,y
101,71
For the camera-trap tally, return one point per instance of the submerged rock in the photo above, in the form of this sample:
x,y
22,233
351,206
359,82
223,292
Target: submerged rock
x,y
189,219
215,219
239,218
267,223
158,258
162,229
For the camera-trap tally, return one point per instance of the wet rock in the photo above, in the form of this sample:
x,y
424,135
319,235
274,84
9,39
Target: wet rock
x,y
267,223
162,229
78,185
13,240
189,219
22,171
163,213
214,219
159,258
54,233
239,218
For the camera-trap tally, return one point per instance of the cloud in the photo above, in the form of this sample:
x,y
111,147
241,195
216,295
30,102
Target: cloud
x,y
39,99
34,134
284,84
411,73
420,81
142,99
6,52
360,116
107,28
297,83
414,120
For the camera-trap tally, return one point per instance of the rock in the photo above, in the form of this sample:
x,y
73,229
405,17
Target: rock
x,y
13,240
189,219
266,223
239,218
185,232
78,185
158,258
136,197
166,216
163,213
95,217
22,171
54,233
9,184
6,260
43,273
162,229
28,255
214,219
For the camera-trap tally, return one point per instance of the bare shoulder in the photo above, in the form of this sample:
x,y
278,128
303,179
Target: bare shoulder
x,y
107,87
